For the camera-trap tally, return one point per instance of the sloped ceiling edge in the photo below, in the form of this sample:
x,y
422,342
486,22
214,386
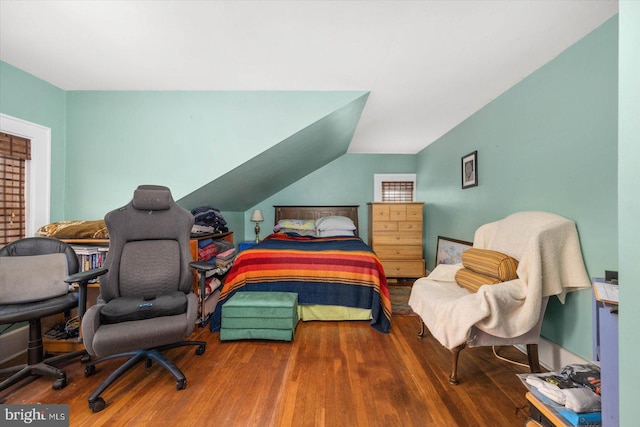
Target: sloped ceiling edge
x,y
283,164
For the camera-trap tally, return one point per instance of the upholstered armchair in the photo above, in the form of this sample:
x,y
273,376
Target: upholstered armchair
x,y
498,294
146,303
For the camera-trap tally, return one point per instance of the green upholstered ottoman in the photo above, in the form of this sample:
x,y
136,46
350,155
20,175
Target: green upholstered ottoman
x,y
259,315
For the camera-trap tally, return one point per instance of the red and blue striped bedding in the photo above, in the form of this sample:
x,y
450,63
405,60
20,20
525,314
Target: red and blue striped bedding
x,y
341,271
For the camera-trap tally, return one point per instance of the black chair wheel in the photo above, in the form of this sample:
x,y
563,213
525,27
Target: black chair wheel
x,y
97,405
60,383
181,384
85,358
200,350
89,370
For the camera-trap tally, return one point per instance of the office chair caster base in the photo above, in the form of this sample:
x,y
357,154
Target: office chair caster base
x,y
89,370
97,405
181,384
85,358
59,384
200,350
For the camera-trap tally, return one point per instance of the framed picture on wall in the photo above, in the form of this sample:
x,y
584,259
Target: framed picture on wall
x,y
449,250
470,170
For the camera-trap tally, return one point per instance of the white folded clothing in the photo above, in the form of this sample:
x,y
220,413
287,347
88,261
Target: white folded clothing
x,y
549,390
202,229
581,399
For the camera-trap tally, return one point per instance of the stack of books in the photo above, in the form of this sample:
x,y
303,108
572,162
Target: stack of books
x,y
90,257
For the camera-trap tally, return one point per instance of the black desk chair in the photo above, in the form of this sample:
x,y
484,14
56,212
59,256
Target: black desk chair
x,y
35,283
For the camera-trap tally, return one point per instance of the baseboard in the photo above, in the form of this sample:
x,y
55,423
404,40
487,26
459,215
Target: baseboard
x,y
552,356
13,343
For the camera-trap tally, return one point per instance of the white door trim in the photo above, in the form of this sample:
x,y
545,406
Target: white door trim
x,y
38,179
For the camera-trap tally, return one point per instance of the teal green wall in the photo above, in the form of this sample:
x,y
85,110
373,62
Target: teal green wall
x,y
629,209
28,98
347,180
235,223
180,139
550,144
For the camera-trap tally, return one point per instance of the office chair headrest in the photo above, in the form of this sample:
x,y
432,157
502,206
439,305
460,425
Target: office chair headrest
x,y
152,198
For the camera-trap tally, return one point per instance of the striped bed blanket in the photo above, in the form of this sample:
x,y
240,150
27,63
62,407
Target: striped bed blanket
x,y
341,271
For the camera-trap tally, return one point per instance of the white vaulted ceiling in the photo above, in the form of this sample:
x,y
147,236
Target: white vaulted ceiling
x,y
427,64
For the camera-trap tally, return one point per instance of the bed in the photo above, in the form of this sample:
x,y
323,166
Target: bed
x,y
337,277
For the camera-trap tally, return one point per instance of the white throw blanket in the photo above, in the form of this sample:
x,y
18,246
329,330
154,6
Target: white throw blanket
x,y
550,263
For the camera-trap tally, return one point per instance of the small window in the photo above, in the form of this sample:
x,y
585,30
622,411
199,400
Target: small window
x,y
394,187
397,191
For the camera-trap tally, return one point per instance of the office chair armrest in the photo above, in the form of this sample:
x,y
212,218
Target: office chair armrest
x,y
83,277
202,266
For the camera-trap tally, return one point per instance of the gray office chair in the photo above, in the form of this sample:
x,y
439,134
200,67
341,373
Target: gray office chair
x,y
34,283
146,303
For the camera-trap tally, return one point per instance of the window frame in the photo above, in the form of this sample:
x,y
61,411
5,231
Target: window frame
x,y
14,155
379,178
38,170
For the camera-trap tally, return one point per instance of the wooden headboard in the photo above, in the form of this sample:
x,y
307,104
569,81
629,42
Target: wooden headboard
x,y
315,212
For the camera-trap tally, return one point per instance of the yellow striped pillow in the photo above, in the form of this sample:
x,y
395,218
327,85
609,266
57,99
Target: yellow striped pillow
x,y
471,280
490,263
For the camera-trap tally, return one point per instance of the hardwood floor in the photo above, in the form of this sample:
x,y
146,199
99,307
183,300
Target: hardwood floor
x,y
332,374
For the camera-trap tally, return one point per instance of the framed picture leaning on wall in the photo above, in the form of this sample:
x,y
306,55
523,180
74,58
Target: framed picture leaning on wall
x,y
449,251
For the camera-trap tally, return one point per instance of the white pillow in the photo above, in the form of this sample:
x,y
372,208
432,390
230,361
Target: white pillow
x,y
335,233
311,233
334,223
296,224
32,278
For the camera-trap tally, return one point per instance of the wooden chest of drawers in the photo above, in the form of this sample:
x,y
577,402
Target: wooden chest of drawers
x,y
396,235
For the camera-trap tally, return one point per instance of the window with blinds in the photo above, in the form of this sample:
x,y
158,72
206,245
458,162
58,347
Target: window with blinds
x,y
397,191
14,153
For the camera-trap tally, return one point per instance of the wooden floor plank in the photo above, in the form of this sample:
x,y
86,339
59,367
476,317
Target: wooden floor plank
x,y
332,374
